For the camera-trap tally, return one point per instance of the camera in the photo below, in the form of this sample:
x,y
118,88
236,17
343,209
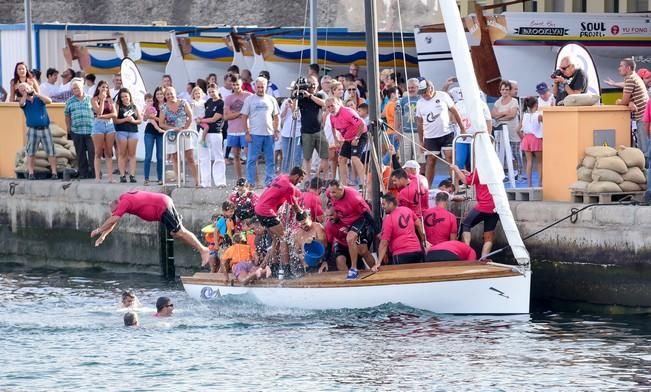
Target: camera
x,y
299,88
557,73
30,94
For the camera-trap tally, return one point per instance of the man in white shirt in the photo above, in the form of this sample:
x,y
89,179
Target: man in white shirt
x,y
433,121
227,88
51,85
117,85
545,96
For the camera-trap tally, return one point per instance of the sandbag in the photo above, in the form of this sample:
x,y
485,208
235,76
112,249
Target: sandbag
x,y
611,163
589,162
62,141
586,99
600,151
633,157
628,186
636,175
57,131
607,175
584,174
579,186
63,152
40,153
41,162
603,186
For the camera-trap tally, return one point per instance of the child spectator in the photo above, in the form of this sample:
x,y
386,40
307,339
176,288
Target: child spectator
x,y
239,259
531,133
244,200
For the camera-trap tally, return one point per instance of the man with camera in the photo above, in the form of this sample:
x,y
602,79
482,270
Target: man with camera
x,y
313,138
568,79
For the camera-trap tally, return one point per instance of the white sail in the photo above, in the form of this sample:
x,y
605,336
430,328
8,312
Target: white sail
x,y
487,164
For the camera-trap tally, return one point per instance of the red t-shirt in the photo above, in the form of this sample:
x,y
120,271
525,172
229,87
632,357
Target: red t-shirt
x,y
336,233
399,230
459,248
414,196
350,207
347,121
280,190
147,206
312,202
439,224
485,201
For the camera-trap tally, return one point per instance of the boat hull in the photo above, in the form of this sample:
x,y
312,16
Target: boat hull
x,y
493,295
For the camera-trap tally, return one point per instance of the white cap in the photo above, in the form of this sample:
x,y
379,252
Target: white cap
x,y
411,164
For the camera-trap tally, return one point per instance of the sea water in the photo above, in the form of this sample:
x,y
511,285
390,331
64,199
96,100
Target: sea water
x,y
63,331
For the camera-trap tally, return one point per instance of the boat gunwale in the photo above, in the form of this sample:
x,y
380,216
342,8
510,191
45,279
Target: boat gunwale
x,y
338,279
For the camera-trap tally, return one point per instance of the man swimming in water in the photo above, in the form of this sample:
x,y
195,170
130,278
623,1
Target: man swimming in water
x,y
129,300
151,207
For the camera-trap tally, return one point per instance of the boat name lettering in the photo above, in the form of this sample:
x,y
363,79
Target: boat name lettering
x,y
556,31
593,29
208,293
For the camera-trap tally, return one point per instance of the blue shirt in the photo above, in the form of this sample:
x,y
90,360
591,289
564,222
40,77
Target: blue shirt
x,y
406,108
81,115
36,113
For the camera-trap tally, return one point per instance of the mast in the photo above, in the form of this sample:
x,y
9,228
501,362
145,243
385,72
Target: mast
x,y
313,33
373,83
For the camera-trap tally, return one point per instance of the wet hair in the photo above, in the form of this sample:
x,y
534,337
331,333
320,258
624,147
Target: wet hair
x,y
161,302
316,183
389,198
530,103
297,171
228,206
400,173
130,319
52,71
442,196
233,69
445,183
128,294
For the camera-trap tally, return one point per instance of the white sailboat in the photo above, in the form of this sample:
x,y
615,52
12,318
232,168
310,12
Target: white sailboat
x,y
444,287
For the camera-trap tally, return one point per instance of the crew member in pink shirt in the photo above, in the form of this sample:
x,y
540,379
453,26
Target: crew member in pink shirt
x,y
353,130
439,223
484,211
311,201
412,194
451,251
399,234
353,211
151,207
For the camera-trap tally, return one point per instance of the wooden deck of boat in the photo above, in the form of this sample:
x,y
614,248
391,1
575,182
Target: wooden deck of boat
x,y
390,274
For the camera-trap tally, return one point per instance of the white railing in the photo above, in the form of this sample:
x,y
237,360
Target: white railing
x,y
181,141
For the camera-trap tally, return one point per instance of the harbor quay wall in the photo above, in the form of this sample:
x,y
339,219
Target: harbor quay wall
x,y
602,258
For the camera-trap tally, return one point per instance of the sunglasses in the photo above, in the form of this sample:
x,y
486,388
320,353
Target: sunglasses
x,y
564,68
352,89
169,305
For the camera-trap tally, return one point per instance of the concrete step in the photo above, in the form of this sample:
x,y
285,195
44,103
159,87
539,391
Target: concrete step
x,y
524,194
606,197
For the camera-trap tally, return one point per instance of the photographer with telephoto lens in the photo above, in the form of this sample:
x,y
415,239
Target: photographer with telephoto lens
x,y
568,79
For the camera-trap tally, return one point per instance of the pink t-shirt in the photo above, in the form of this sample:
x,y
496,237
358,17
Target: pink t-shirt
x,y
414,196
485,201
647,113
350,207
399,230
336,233
234,103
347,121
459,248
280,190
312,202
147,206
439,224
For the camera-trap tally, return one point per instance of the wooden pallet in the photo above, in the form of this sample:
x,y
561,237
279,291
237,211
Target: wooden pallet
x,y
524,194
606,197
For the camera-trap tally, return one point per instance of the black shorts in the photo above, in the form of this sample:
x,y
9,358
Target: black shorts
x,y
408,258
475,216
268,221
364,229
441,255
340,250
171,219
437,143
348,150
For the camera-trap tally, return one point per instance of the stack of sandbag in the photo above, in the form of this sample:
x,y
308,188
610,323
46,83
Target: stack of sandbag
x,y
605,169
63,148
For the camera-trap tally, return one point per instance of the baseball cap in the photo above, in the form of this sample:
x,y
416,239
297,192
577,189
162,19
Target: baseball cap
x,y
422,84
644,73
542,88
411,164
455,94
